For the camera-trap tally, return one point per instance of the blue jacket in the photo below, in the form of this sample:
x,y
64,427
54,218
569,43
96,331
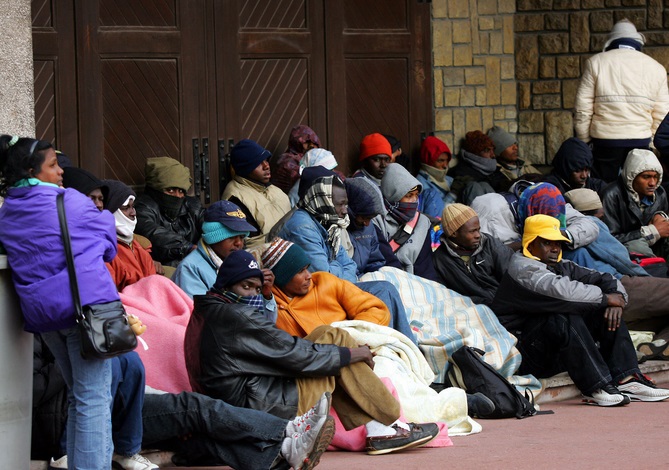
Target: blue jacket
x,y
367,254
30,231
196,273
433,199
305,231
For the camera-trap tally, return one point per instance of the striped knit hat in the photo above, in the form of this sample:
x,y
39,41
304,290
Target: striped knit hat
x,y
285,259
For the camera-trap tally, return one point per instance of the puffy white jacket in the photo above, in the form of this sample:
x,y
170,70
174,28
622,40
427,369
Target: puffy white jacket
x,y
622,95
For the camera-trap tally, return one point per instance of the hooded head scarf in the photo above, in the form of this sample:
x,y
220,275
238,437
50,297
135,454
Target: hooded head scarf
x,y
318,202
542,198
300,135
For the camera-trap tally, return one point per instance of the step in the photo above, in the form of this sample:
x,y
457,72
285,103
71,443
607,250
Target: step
x,y
560,387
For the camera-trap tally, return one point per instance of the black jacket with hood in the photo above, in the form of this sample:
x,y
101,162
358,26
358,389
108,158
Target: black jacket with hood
x,y
573,155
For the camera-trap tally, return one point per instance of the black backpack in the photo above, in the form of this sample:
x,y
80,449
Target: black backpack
x,y
470,372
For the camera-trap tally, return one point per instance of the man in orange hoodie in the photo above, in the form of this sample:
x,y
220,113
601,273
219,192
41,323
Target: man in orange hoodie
x,y
307,300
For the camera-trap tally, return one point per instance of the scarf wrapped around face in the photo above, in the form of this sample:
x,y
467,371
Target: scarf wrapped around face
x,y
318,203
254,301
402,212
542,198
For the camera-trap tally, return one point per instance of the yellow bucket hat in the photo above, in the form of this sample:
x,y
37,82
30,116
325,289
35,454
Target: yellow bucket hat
x,y
543,226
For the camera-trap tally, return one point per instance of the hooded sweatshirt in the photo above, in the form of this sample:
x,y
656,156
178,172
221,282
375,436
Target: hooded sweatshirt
x,y
626,214
573,155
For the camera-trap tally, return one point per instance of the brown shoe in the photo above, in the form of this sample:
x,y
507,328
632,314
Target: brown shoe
x,y
418,435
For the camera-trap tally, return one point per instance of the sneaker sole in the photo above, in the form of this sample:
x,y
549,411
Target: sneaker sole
x,y
321,444
417,443
634,397
592,401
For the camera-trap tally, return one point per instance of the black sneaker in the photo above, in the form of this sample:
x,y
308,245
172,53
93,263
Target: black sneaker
x,y
418,435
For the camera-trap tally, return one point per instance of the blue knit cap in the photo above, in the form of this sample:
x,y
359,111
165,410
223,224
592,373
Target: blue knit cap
x,y
246,155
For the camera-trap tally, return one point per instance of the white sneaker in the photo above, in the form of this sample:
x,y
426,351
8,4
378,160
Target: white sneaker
x,y
60,463
640,388
310,436
608,395
318,411
135,462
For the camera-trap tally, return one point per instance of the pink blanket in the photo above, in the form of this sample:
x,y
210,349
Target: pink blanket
x,y
165,309
355,439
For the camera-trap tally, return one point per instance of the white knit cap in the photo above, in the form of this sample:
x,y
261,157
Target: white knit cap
x,y
624,29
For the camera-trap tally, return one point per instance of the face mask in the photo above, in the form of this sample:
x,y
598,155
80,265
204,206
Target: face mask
x,y
125,228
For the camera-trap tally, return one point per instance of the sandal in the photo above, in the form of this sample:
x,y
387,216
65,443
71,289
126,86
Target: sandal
x,y
652,351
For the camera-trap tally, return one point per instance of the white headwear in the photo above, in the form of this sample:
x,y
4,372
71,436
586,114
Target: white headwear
x,y
624,29
125,227
318,157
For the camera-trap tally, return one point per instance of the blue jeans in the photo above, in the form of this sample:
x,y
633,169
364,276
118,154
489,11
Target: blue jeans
x,y
127,388
579,344
89,436
389,295
218,433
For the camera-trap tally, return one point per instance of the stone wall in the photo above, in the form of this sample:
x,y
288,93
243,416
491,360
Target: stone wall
x,y
17,113
547,42
473,63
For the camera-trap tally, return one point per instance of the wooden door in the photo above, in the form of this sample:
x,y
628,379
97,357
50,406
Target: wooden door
x,y
140,75
379,76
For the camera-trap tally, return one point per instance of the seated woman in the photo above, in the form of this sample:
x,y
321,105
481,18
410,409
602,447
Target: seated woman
x,y
169,218
404,227
435,157
243,358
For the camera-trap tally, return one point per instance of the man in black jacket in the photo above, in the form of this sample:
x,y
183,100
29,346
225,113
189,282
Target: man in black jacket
x,y
233,352
468,261
165,214
570,318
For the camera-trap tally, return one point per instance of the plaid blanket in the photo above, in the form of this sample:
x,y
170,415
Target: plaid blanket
x,y
444,321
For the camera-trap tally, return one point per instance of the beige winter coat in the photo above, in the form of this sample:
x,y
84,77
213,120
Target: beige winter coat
x,y
622,95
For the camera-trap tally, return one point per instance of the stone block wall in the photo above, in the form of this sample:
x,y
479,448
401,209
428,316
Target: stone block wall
x,y
473,66
517,63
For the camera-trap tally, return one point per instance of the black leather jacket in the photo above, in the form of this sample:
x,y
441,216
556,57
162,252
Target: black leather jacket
x,y
245,360
172,240
623,216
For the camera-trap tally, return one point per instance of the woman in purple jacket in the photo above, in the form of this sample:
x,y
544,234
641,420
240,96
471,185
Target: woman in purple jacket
x,y
30,180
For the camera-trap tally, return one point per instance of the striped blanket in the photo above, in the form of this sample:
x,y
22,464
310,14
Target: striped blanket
x,y
444,321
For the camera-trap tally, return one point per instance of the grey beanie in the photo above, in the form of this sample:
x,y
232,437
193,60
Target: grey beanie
x,y
502,139
397,182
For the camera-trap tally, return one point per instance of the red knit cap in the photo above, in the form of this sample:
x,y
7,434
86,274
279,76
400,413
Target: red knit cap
x,y
374,144
431,148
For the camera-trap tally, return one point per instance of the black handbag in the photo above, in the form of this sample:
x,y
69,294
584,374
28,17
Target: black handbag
x,y
104,328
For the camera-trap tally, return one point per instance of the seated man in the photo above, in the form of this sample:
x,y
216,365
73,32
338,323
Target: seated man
x,y
201,430
236,354
435,157
87,184
468,261
560,311
508,163
476,172
406,229
375,156
636,206
263,203
169,218
286,169
370,251
571,167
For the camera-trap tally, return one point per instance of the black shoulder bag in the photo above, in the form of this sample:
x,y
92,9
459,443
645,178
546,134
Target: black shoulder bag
x,y
103,328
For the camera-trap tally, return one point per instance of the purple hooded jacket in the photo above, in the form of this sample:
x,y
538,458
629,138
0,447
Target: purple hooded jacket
x,y
30,231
